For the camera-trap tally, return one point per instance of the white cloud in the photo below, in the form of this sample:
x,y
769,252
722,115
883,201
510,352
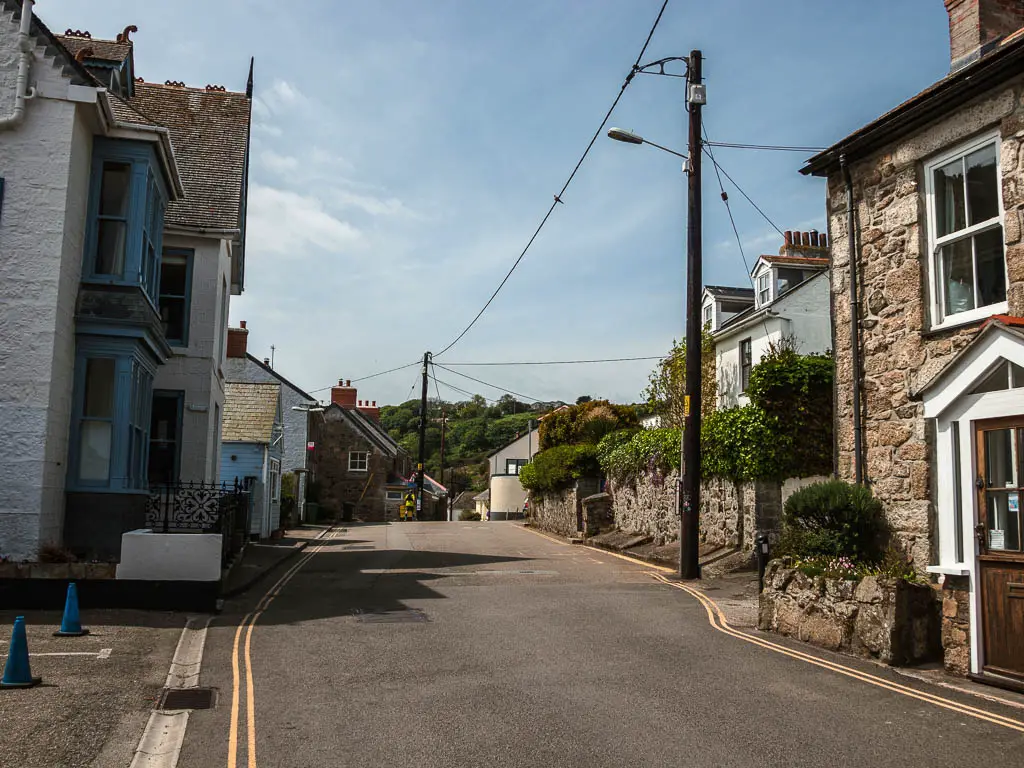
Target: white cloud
x,y
286,223
279,164
373,205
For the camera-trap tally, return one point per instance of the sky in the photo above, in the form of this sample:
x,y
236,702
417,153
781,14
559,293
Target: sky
x,y
404,151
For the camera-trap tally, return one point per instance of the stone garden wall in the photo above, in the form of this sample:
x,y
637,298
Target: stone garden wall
x,y
731,513
892,620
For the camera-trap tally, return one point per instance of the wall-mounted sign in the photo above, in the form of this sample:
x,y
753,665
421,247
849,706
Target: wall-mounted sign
x,y
310,445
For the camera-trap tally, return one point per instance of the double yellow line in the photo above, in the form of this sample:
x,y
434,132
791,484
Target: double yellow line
x,y
717,620
247,625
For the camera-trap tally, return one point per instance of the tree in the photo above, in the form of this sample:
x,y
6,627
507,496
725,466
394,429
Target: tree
x,y
666,386
583,399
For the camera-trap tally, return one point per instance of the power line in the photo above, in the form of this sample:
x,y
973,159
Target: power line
x,y
462,391
740,189
558,198
768,147
566,362
372,376
488,384
728,208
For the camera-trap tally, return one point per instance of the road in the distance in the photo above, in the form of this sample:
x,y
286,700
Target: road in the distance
x,y
535,653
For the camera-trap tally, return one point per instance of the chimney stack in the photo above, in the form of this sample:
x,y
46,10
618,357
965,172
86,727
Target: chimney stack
x,y
344,394
812,244
977,26
370,411
238,341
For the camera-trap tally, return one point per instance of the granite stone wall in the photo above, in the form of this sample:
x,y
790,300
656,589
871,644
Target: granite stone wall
x,y
956,624
900,350
891,620
731,514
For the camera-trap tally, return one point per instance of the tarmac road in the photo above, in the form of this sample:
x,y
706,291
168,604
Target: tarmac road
x,y
485,644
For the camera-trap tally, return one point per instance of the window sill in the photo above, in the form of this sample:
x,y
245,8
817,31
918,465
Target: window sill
x,y
949,570
963,319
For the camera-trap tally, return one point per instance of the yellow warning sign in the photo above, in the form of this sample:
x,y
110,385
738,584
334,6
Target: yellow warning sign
x,y
686,406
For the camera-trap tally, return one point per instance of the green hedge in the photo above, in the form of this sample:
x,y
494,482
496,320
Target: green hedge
x,y
559,467
628,453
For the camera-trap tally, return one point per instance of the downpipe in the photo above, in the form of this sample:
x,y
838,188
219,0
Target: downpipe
x,y
22,92
858,437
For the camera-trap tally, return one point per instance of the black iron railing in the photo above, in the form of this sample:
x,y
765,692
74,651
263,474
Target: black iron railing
x,y
201,508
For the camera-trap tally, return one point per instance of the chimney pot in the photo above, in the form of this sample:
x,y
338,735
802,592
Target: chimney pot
x,y
348,382
788,235
266,361
805,238
814,238
374,403
823,240
242,324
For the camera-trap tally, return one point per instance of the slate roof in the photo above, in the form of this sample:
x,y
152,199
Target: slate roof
x,y
728,292
370,429
209,132
126,113
250,411
102,50
465,500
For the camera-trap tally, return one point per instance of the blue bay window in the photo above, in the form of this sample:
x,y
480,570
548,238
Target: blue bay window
x,y
127,200
111,417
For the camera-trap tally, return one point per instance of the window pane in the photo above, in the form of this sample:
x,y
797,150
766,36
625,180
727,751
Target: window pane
x,y
1000,459
172,313
94,451
99,388
110,247
982,185
949,198
988,250
958,276
173,275
114,189
1003,523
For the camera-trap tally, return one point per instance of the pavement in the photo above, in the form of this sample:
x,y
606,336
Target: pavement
x,y
468,644
93,705
98,690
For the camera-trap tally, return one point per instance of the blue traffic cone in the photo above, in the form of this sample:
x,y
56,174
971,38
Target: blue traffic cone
x,y
17,673
70,626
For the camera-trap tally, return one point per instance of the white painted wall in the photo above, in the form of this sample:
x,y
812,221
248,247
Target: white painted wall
x,y
196,369
802,313
45,164
525,447
170,556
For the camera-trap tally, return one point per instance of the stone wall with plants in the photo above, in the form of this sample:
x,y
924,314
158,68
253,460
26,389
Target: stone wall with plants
x,y
578,510
887,618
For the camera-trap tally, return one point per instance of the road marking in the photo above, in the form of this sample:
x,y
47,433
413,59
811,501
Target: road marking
x,y
247,624
717,620
160,745
103,653
545,536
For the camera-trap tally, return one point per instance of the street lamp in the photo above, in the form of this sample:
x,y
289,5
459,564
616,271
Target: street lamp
x,y
628,137
689,487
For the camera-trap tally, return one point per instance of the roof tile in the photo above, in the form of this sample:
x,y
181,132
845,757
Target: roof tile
x,y
250,411
209,132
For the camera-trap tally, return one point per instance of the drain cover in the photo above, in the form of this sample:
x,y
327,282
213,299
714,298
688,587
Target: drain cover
x,y
384,616
188,698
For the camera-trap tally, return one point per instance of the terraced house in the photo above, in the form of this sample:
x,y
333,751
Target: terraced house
x,y
122,233
926,207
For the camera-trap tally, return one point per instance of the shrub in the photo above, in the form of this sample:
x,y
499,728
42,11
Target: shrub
x,y
833,519
559,467
469,514
626,454
585,423
51,553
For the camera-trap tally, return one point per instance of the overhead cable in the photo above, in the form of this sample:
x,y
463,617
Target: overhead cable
x,y
488,384
558,197
564,362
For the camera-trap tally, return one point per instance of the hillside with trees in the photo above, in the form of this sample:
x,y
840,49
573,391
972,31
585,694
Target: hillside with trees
x,y
473,429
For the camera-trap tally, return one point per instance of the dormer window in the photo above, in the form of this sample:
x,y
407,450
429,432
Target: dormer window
x,y
764,289
709,311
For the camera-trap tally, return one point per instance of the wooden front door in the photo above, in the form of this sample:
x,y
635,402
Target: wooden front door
x,y
1000,533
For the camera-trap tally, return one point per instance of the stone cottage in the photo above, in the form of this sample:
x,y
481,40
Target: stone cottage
x,y
925,209
358,463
